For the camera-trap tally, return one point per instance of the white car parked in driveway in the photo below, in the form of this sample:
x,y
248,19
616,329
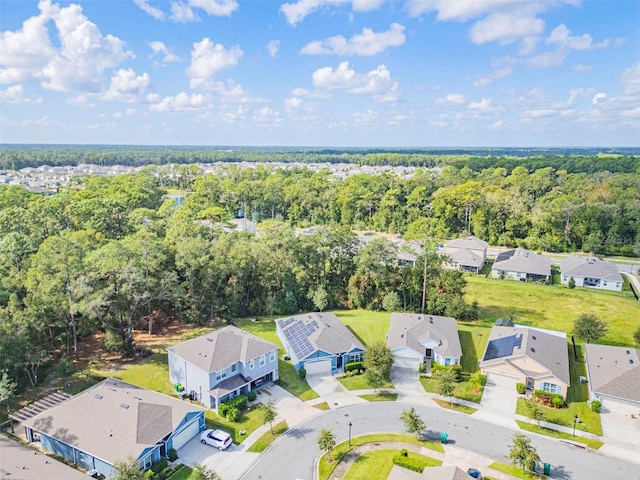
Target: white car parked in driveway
x,y
216,438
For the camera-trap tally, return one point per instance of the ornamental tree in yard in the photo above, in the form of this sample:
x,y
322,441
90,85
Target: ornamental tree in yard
x,y
589,327
522,453
413,423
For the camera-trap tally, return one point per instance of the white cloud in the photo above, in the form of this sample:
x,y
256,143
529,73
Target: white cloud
x,y
562,37
207,59
598,97
159,48
630,78
265,117
126,86
303,92
273,46
367,43
497,74
293,105
363,118
81,101
451,99
377,83
231,92
218,8
297,11
582,68
483,106
183,102
459,11
181,12
149,9
505,28
15,94
546,59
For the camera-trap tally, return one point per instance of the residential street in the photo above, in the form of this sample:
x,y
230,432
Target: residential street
x,y
292,456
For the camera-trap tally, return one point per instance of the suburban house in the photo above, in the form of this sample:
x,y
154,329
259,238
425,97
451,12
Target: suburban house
x,y
417,338
468,254
429,473
222,364
318,342
521,264
28,464
614,377
590,272
537,358
112,421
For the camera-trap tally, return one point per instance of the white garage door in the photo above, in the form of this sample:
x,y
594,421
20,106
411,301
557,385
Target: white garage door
x,y
406,362
318,367
187,434
502,380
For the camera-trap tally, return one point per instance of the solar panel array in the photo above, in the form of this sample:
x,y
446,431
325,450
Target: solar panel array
x,y
297,334
502,347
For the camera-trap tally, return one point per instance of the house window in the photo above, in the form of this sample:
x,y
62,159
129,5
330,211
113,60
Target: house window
x,y
233,368
262,360
272,356
447,362
251,362
354,357
218,375
223,374
550,387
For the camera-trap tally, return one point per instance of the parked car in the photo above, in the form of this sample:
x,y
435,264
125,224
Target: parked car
x,y
216,438
473,473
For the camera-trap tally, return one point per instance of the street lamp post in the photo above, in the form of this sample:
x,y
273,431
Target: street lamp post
x,y
575,420
350,425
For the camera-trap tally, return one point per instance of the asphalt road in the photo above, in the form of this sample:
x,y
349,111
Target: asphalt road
x,y
292,456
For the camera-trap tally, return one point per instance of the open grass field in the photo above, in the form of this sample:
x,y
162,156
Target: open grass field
x,y
555,306
151,373
377,464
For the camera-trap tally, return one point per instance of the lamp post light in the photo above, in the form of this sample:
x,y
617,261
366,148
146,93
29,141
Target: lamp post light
x,y
575,420
350,425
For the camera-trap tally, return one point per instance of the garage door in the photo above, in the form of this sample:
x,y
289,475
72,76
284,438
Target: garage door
x,y
187,434
502,381
406,362
319,367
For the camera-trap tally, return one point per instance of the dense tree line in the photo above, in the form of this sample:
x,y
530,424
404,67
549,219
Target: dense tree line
x,y
111,253
574,160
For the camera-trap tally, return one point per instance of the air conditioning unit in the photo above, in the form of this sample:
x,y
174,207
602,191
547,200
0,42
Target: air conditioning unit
x,y
583,379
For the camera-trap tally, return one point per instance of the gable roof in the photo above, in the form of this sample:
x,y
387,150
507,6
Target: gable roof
x,y
521,260
545,347
463,256
471,242
113,419
409,329
309,332
576,266
614,371
218,349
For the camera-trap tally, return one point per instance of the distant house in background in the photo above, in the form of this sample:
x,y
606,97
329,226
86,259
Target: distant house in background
x,y
591,272
521,264
222,364
112,421
417,338
467,253
318,342
614,377
537,358
242,225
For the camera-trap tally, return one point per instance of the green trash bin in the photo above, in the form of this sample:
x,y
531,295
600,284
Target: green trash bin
x,y
533,466
547,469
443,437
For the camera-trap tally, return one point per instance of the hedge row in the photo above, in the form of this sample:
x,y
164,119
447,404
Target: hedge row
x,y
414,464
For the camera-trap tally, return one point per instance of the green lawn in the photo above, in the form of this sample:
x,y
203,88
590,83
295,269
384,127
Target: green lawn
x,y
359,382
249,421
473,340
554,306
455,406
151,373
377,464
325,468
589,421
463,390
265,440
370,327
185,473
321,406
380,397
514,471
530,427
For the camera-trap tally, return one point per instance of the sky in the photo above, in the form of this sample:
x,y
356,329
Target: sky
x,y
369,73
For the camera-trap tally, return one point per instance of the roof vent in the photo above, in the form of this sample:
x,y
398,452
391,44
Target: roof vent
x,y
138,398
533,337
98,396
124,405
630,360
628,352
209,339
533,350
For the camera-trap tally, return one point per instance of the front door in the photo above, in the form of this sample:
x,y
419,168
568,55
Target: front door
x,y
530,383
428,353
339,364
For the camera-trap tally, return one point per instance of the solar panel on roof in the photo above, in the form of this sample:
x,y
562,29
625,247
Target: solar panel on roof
x,y
502,347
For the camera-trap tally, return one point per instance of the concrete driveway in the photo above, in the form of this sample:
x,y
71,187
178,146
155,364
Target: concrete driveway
x,y
408,386
498,404
619,429
332,391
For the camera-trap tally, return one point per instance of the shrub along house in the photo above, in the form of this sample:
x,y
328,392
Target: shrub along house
x,y
318,342
417,338
222,364
537,358
113,421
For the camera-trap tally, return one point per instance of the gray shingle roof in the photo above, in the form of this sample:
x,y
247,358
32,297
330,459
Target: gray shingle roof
x,y
611,373
218,349
328,334
409,329
547,349
471,242
521,260
113,419
464,257
576,266
429,473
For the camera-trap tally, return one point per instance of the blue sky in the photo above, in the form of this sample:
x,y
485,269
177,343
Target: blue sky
x,y
321,72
